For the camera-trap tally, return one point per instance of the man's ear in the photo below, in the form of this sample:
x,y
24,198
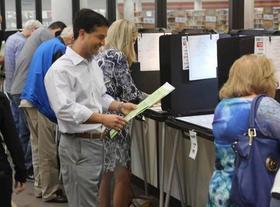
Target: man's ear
x,y
82,33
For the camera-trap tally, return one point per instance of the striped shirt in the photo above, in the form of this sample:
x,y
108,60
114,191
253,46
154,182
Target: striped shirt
x,y
13,47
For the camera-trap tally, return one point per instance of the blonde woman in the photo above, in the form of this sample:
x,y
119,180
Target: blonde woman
x,y
115,60
249,76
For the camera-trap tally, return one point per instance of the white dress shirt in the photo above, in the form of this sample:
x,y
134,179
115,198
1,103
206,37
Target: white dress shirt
x,y
76,89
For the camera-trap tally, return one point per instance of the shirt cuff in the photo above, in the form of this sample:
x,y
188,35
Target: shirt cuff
x,y
107,100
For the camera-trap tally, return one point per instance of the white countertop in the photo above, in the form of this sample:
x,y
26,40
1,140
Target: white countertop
x,y
200,120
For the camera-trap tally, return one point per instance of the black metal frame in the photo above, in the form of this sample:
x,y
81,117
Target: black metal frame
x,y
75,8
38,9
2,10
111,10
161,17
18,14
236,12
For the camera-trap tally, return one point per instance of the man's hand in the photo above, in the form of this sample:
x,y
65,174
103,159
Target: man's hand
x,y
125,108
113,121
19,187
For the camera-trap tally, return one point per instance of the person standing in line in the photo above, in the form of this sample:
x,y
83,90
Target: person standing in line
x,y
77,94
22,65
35,93
115,60
249,76
13,47
11,140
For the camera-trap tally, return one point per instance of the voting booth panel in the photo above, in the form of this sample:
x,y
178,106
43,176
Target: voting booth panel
x,y
191,96
193,176
231,48
146,81
145,72
143,140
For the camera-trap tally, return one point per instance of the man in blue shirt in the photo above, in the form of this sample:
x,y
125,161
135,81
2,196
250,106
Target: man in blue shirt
x,y
34,93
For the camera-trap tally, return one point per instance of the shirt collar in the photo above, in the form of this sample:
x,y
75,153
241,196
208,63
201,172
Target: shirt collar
x,y
61,40
74,57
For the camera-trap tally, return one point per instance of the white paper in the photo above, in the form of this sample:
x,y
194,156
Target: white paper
x,y
148,51
202,56
210,18
199,120
194,145
260,45
185,54
149,101
271,49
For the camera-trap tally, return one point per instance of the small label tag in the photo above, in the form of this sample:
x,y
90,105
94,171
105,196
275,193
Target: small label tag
x,y
194,146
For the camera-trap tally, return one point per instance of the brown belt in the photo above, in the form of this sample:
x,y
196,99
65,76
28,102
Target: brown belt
x,y
87,135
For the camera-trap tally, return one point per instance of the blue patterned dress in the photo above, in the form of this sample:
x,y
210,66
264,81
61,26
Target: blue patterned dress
x,y
121,87
231,119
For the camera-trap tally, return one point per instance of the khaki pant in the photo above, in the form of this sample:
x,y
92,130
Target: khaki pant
x,y
45,148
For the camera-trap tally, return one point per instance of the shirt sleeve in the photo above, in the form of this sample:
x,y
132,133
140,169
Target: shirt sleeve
x,y
125,83
11,139
62,99
46,35
106,101
268,117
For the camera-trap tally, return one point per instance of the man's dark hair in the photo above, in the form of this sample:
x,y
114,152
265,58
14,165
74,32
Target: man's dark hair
x,y
88,20
57,25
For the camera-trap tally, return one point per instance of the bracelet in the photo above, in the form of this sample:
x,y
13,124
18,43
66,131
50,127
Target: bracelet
x,y
120,107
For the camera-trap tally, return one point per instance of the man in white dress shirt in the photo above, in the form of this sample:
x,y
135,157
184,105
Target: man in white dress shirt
x,y
77,94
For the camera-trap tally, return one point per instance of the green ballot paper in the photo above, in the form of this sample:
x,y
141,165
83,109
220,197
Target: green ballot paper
x,y
157,95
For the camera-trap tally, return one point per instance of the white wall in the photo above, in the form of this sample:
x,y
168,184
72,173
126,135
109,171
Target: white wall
x,y
62,11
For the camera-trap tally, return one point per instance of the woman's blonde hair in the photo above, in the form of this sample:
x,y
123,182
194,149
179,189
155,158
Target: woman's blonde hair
x,y
250,74
121,36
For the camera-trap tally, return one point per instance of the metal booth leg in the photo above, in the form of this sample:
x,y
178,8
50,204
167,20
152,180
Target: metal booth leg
x,y
171,172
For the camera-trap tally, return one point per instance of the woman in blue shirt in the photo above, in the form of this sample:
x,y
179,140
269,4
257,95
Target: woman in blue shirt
x,y
249,76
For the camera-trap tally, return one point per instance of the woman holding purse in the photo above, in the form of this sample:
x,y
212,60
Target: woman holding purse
x,y
249,76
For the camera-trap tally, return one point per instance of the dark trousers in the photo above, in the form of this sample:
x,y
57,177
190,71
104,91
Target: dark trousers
x,y
23,130
6,189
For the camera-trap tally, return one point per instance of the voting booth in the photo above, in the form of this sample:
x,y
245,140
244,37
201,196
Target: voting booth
x,y
189,62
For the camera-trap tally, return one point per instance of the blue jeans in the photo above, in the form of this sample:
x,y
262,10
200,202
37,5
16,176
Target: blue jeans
x,y
22,129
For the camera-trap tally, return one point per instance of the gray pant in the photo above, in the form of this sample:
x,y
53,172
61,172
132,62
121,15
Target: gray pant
x,y
81,167
274,202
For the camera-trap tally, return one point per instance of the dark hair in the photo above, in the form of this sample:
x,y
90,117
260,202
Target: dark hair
x,y
57,25
88,20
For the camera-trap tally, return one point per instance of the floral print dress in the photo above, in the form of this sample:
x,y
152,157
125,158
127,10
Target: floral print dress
x,y
231,119
121,87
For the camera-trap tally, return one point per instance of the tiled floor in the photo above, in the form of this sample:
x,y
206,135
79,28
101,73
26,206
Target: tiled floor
x,y
27,198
